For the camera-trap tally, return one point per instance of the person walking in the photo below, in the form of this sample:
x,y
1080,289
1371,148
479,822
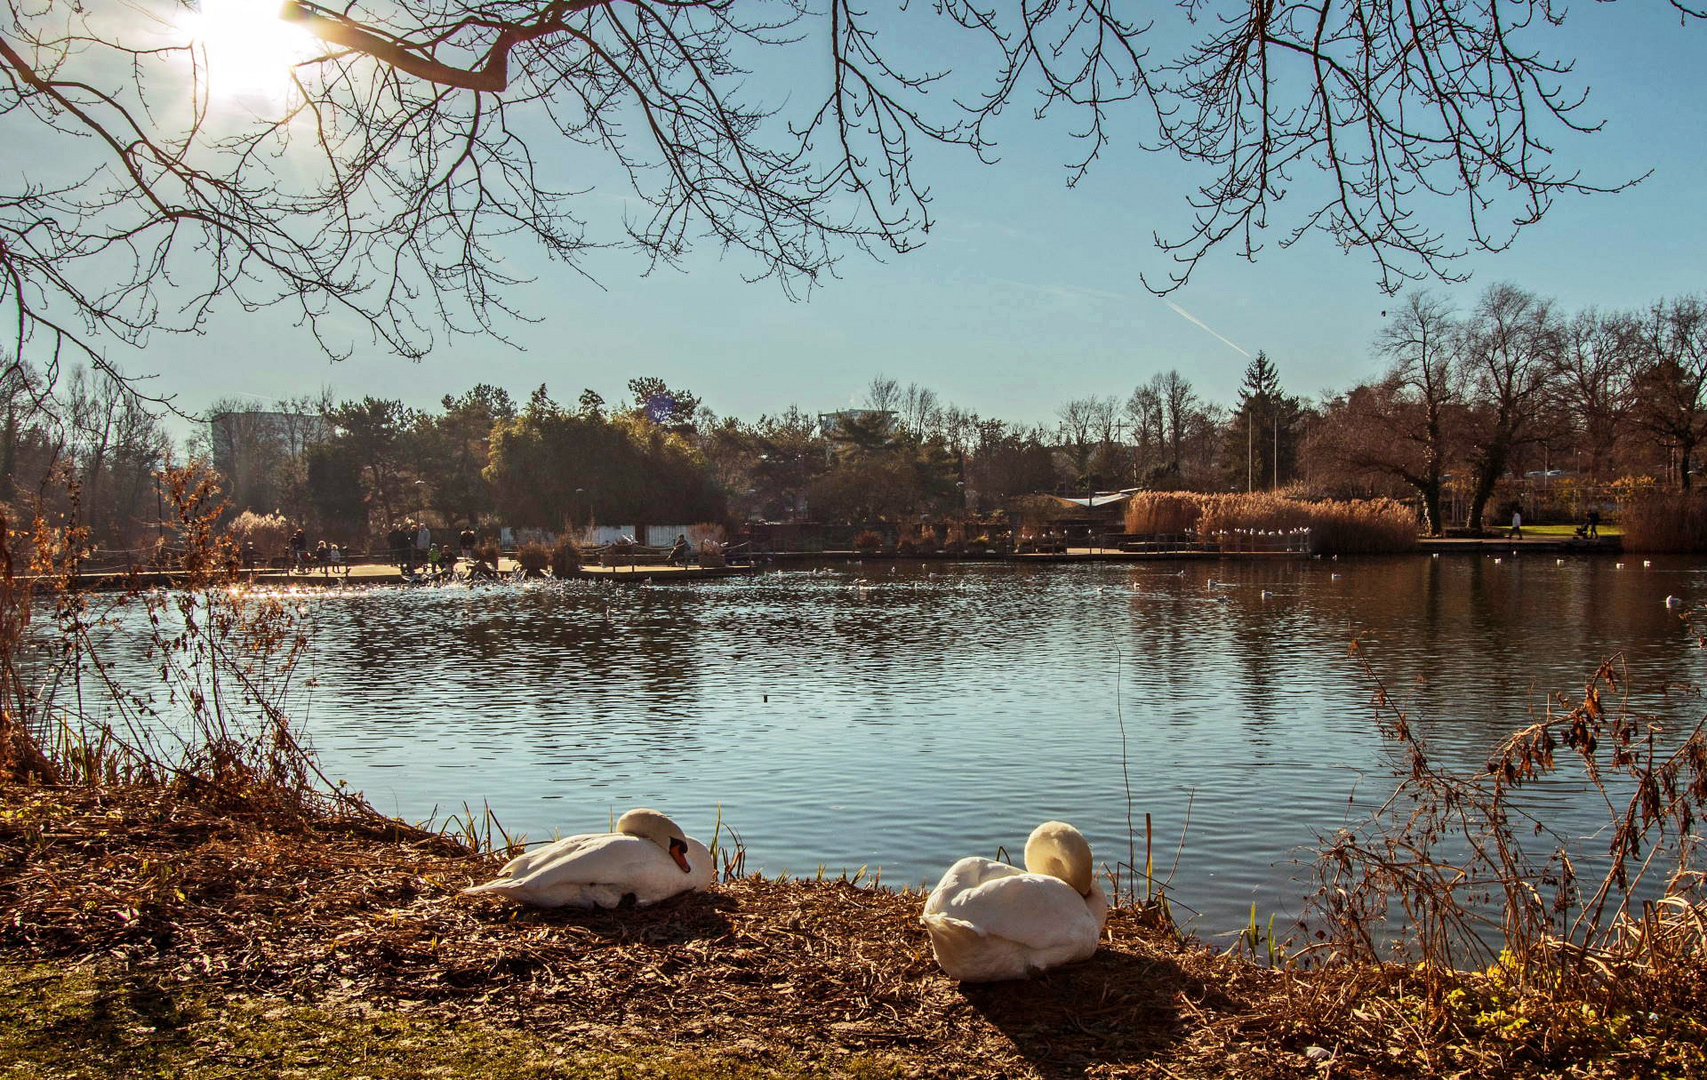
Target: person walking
x,y
1516,526
1594,523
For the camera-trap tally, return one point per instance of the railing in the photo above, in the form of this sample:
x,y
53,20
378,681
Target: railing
x,y
1253,541
1262,540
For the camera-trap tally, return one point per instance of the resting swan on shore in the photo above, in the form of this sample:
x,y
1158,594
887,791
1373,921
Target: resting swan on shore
x,y
646,857
989,921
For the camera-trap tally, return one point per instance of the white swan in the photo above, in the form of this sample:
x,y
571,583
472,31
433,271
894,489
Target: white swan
x,y
647,857
989,921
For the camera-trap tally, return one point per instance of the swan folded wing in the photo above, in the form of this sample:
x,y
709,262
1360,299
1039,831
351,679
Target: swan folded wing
x,y
963,876
598,870
531,861
1036,911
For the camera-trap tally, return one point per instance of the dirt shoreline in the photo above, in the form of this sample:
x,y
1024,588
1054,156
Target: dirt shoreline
x,y
233,905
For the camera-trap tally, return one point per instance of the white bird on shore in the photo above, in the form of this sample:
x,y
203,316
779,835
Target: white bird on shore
x,y
989,921
646,857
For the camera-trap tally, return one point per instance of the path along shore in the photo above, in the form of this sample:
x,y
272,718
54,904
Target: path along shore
x,y
388,574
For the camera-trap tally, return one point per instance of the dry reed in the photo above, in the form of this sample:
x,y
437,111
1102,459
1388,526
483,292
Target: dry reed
x,y
1340,527
1665,521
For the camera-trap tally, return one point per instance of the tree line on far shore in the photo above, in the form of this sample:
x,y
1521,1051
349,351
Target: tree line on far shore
x,y
1470,410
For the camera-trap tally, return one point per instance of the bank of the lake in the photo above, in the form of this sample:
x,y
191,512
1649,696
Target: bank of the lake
x,y
368,572
901,715
194,933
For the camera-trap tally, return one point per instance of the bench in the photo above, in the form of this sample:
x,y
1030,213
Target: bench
x,y
637,556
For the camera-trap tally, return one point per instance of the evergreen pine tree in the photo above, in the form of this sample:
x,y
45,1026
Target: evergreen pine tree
x,y
1263,423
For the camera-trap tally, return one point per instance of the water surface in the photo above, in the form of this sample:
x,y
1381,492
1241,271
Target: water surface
x,y
903,715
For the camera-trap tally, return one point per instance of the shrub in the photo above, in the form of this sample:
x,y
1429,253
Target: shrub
x,y
565,558
1036,512
533,558
907,545
868,540
268,532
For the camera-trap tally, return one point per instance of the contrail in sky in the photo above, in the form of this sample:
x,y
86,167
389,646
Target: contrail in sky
x,y
1183,313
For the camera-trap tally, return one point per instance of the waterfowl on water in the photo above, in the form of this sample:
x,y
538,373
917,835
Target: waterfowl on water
x,y
989,921
647,857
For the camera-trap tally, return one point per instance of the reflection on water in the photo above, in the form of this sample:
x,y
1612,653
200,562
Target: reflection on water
x,y
905,715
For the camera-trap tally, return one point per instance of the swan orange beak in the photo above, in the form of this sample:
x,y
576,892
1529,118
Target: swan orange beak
x,y
679,852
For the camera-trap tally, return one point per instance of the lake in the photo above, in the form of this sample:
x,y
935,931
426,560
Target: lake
x,y
902,715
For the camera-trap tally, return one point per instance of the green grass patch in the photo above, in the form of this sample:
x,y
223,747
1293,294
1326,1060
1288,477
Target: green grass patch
x,y
1564,531
90,1024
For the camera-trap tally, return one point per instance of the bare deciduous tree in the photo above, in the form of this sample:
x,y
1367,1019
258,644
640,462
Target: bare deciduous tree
x,y
1595,383
1510,342
1409,424
883,394
420,136
921,414
1666,348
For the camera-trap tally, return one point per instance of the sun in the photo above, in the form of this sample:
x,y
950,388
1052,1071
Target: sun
x,y
246,50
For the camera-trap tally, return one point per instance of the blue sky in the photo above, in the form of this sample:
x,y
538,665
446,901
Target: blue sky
x,y
1027,294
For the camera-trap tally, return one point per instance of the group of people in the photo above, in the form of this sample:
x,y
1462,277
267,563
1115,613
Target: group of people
x,y
327,558
412,545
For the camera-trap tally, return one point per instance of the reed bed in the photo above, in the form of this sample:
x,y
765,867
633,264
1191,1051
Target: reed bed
x,y
1665,521
1337,527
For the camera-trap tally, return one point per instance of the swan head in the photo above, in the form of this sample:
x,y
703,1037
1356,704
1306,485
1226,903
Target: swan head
x,y
1058,849
656,827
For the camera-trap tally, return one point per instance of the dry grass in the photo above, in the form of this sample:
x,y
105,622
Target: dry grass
x,y
224,900
337,908
1341,527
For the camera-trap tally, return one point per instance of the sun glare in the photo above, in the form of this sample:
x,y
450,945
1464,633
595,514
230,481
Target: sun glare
x,y
247,49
